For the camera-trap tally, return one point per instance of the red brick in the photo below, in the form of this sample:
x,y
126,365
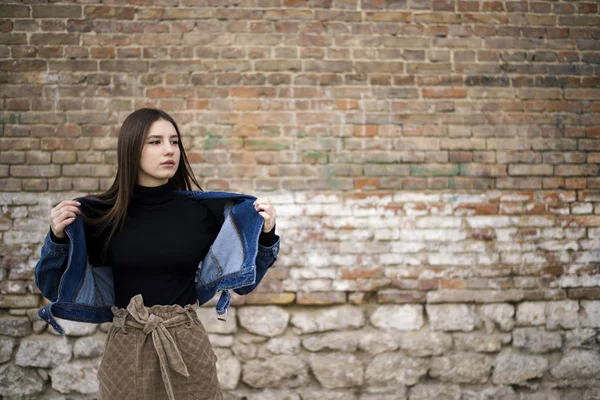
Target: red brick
x,y
394,296
124,65
525,169
35,171
65,144
199,104
563,8
388,16
492,6
56,11
577,170
468,5
60,184
12,157
51,51
103,52
358,273
592,293
579,20
443,5
73,65
11,184
453,284
6,25
517,6
76,52
13,10
346,104
109,12
17,104
492,18
367,183
35,185
585,8
438,18
444,92
54,38
252,92
23,65
365,130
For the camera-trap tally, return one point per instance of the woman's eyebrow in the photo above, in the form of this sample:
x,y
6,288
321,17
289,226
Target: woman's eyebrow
x,y
158,136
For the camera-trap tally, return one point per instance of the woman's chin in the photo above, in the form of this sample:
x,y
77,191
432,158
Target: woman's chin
x,y
165,174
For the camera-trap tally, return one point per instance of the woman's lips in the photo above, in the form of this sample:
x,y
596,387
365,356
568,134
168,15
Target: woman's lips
x,y
167,164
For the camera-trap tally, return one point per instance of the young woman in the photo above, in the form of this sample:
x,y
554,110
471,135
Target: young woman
x,y
157,243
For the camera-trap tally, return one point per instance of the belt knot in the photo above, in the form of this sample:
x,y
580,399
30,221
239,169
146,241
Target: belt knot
x,y
152,322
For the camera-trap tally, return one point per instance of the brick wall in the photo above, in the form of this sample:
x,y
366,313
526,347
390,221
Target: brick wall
x,y
434,165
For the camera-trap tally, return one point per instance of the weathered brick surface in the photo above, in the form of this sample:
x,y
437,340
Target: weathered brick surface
x,y
434,165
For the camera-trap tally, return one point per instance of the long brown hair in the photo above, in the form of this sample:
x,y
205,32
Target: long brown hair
x,y
129,152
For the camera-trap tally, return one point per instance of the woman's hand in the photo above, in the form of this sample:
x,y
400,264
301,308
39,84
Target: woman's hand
x,y
62,215
268,212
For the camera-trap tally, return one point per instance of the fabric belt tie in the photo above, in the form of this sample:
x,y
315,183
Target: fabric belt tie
x,y
168,353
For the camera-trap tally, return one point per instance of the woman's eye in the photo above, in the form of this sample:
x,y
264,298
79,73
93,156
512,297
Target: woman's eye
x,y
156,141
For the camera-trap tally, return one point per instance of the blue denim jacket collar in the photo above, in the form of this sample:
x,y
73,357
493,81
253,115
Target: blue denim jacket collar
x,y
82,292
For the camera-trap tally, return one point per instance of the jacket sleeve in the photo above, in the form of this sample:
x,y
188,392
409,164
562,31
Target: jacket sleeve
x,y
51,266
265,258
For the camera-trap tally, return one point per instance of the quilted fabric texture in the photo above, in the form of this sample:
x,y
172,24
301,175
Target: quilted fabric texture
x,y
158,352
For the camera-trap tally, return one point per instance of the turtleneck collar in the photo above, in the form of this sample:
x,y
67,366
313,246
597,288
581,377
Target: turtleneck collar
x,y
153,194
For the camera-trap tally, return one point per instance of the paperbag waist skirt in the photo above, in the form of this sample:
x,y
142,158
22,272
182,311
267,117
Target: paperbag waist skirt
x,y
158,352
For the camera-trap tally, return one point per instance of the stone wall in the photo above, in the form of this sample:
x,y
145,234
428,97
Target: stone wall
x,y
431,302
434,166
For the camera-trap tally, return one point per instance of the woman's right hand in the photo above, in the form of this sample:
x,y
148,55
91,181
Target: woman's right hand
x,y
62,215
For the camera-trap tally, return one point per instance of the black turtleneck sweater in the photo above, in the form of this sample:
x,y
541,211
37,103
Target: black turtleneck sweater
x,y
164,239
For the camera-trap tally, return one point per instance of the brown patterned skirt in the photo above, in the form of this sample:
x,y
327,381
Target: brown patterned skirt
x,y
158,352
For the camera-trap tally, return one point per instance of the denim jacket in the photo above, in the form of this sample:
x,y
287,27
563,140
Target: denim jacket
x,y
79,291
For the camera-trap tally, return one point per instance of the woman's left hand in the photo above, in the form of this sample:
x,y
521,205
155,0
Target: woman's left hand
x,y
267,211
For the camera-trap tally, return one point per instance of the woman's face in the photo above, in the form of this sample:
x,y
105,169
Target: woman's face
x,y
160,146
